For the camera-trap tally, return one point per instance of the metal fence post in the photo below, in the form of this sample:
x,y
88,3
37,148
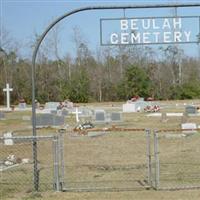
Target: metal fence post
x,y
149,166
61,159
56,164
35,165
157,162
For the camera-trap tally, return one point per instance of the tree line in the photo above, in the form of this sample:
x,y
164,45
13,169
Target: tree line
x,y
108,74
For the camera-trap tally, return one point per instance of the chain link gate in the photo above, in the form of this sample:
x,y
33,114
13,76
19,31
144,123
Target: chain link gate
x,y
116,161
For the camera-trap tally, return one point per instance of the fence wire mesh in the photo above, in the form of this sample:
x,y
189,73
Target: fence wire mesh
x,y
112,161
176,162
16,165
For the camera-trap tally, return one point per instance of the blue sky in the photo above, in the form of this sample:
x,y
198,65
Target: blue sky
x,y
23,18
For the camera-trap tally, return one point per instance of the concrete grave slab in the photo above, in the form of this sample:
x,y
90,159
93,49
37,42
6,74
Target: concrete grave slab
x,y
189,126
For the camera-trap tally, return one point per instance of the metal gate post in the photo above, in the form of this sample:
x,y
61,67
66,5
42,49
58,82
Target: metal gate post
x,y
149,166
61,159
56,182
157,162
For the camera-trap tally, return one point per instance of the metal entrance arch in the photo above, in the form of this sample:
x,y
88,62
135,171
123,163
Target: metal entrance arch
x,y
41,38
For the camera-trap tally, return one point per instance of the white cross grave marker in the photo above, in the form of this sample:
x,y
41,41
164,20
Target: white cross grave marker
x,y
76,112
8,90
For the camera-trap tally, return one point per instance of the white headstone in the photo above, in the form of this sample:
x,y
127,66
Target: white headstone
x,y
51,105
25,160
129,107
8,90
189,126
8,138
22,105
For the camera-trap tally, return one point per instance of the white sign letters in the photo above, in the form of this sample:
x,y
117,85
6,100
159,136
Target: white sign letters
x,y
149,31
157,30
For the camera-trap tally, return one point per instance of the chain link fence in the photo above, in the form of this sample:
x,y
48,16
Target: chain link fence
x,y
17,164
105,161
176,162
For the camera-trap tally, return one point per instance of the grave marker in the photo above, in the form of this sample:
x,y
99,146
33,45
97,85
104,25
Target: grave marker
x,y
115,117
135,106
77,112
8,138
51,105
2,115
53,112
190,126
47,119
65,112
22,105
8,90
129,107
85,112
58,120
100,116
190,109
164,117
184,118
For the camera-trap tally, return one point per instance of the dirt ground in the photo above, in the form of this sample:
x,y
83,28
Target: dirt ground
x,y
128,195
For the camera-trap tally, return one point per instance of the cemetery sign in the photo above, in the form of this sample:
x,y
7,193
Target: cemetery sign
x,y
150,30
